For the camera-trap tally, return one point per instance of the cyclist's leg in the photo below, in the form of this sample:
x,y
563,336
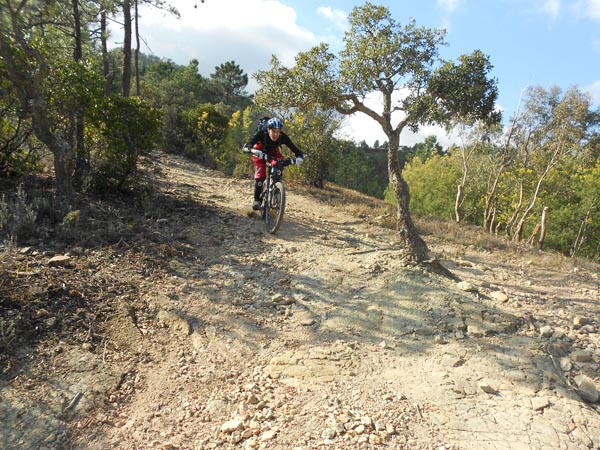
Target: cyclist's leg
x,y
260,173
258,187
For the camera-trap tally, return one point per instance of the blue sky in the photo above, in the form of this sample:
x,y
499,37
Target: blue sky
x,y
529,42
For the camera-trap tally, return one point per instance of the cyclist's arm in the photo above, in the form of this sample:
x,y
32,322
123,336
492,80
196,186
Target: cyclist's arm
x,y
285,139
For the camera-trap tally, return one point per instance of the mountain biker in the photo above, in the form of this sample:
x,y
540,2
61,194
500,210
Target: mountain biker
x,y
268,143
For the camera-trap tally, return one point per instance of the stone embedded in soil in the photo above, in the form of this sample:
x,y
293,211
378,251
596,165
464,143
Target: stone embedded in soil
x,y
581,356
466,286
580,321
586,388
232,425
59,261
488,389
539,403
499,296
175,322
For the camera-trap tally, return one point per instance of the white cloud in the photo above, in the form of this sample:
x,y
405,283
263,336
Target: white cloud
x,y
222,15
446,24
338,17
448,5
589,9
594,90
214,32
552,8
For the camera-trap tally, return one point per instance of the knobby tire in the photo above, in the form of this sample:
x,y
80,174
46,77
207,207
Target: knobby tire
x,y
273,213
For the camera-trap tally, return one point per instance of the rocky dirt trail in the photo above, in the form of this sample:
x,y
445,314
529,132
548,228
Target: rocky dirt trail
x,y
318,337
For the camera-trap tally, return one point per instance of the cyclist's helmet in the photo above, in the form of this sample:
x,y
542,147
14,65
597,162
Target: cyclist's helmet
x,y
275,123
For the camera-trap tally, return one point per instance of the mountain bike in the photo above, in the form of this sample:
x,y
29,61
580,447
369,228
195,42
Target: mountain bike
x,y
272,198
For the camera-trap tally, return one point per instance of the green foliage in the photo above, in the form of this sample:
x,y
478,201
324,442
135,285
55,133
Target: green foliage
x,y
204,132
355,170
71,218
174,89
312,131
574,212
17,151
230,158
390,196
463,92
433,185
171,86
120,130
72,86
181,93
424,150
228,82
587,241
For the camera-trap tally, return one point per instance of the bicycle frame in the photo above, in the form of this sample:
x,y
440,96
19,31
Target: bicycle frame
x,y
273,196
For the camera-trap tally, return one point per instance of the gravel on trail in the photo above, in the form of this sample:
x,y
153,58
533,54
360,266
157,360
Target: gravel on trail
x,y
195,329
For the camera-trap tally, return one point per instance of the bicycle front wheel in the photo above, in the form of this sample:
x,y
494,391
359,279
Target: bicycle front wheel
x,y
274,209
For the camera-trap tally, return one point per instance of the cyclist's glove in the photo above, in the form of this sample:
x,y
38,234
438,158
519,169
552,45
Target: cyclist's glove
x,y
299,161
247,149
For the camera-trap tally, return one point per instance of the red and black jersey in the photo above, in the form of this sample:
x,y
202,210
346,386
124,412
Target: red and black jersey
x,y
269,146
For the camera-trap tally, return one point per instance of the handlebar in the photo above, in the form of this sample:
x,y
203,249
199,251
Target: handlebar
x,y
285,161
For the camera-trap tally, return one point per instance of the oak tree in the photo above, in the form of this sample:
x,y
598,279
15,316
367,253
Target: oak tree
x,y
400,66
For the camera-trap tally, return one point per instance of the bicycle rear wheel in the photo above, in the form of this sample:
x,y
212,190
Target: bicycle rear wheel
x,y
273,211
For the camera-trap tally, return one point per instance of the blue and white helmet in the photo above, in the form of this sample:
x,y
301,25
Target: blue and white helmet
x,y
275,123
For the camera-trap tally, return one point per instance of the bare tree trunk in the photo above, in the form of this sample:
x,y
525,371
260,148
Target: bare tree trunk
x,y
60,148
493,219
531,239
541,229
491,199
488,211
126,82
544,227
137,51
457,202
416,246
518,234
460,189
580,234
105,62
82,162
63,169
511,222
497,228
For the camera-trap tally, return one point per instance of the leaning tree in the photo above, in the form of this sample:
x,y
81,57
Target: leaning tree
x,y
400,66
